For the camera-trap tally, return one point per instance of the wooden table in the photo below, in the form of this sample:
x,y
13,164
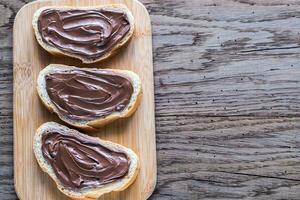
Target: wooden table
x,y
227,88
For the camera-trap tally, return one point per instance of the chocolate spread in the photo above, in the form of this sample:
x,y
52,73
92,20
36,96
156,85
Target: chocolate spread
x,y
86,33
87,95
81,162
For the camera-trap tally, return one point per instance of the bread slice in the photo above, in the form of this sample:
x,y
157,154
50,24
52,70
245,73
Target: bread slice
x,y
89,125
56,52
85,193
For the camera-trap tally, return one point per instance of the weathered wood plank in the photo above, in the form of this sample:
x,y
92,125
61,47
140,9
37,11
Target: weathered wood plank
x,y
226,58
212,58
230,158
6,137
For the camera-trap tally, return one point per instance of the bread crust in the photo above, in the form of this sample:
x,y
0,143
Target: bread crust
x,y
91,125
57,52
90,193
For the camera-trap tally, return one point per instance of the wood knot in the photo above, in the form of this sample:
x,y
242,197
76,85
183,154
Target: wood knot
x,y
22,75
142,33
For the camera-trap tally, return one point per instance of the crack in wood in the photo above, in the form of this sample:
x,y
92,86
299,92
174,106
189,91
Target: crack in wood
x,y
261,176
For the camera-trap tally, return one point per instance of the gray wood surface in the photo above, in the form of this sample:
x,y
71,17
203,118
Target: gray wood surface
x,y
227,90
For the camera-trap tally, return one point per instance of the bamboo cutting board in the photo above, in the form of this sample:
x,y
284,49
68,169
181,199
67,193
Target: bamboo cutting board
x,y
137,132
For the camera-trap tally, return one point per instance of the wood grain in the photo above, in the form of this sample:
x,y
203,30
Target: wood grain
x,y
137,132
228,157
226,58
221,68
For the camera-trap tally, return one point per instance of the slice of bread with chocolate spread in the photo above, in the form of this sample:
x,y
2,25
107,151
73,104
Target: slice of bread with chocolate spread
x,y
83,167
90,34
89,98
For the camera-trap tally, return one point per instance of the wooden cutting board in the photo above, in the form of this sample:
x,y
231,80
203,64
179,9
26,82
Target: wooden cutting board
x,y
137,132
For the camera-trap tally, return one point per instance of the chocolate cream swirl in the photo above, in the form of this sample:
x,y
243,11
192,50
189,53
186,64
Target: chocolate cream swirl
x,y
86,33
80,162
87,95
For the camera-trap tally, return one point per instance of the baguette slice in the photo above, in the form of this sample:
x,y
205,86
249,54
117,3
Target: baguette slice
x,y
56,52
85,193
90,125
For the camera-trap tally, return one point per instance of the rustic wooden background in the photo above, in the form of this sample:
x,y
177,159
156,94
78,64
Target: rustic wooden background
x,y
227,90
